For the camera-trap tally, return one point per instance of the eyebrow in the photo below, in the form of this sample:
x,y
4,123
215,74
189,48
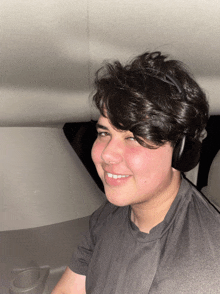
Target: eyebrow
x,y
98,126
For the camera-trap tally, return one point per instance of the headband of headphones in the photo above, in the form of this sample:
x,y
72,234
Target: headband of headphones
x,y
167,79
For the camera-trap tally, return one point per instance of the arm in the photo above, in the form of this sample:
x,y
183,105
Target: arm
x,y
70,283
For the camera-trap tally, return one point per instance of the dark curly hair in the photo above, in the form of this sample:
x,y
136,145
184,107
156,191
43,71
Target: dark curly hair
x,y
154,98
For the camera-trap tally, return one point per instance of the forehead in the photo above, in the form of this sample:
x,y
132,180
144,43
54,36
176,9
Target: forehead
x,y
105,123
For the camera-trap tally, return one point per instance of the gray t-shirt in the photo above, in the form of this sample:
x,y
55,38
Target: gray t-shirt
x,y
179,255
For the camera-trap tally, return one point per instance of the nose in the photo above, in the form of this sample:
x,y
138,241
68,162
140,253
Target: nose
x,y
112,153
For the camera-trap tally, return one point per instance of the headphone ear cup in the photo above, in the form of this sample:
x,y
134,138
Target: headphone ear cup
x,y
186,154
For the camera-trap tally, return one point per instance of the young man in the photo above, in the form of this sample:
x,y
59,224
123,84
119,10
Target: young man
x,y
156,233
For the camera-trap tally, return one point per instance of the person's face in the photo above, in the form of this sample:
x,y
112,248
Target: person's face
x,y
131,174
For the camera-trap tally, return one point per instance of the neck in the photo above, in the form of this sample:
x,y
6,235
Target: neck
x,y
149,214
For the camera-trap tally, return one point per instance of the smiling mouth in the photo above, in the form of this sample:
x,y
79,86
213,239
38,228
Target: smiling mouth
x,y
117,176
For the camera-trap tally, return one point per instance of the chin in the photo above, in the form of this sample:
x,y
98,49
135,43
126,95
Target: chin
x,y
117,199
118,203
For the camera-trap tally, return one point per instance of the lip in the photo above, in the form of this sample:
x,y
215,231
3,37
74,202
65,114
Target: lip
x,y
113,181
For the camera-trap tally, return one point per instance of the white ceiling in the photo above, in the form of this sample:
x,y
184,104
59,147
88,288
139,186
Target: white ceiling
x,y
59,44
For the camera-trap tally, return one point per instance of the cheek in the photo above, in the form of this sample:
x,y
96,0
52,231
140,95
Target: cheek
x,y
136,160
96,152
164,157
144,161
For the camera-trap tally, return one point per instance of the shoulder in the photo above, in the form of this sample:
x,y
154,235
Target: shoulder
x,y
203,204
198,199
202,214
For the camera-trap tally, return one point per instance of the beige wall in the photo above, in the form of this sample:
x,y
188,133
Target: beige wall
x,y
42,180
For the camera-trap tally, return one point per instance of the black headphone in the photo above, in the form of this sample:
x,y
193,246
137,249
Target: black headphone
x,y
186,152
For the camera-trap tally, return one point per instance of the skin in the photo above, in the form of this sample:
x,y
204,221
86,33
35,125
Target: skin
x,y
70,283
135,175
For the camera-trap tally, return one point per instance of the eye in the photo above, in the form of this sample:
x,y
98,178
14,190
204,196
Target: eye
x,y
102,134
132,141
131,138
